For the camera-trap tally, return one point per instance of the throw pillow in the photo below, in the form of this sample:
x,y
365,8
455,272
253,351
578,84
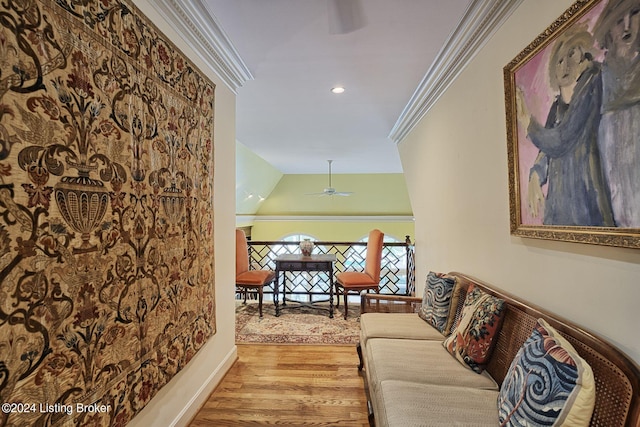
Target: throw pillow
x,y
440,294
473,339
548,383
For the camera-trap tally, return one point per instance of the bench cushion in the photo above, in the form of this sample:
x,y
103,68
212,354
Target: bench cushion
x,y
419,361
406,404
396,325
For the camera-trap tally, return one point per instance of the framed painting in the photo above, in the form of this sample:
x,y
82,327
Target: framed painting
x,y
573,127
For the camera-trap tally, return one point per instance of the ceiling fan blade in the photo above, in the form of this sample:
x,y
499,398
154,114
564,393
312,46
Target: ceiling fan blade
x,y
330,191
328,194
345,16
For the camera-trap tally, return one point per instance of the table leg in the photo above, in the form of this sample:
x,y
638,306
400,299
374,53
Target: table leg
x,y
275,292
284,289
331,292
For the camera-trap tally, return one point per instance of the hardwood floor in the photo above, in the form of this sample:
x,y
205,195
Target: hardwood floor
x,y
292,385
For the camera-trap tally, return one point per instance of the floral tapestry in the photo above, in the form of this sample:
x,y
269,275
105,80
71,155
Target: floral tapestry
x,y
106,212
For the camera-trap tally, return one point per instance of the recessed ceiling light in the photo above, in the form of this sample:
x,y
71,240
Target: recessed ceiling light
x,y
337,89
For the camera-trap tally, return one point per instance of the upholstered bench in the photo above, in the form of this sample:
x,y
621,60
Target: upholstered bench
x,y
415,375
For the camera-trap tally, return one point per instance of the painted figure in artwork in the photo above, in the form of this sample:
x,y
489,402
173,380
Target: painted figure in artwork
x,y
618,32
569,160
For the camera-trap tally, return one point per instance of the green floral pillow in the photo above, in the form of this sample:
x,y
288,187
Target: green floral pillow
x,y
440,295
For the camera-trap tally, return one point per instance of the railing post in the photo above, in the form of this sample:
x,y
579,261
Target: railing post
x,y
407,242
411,286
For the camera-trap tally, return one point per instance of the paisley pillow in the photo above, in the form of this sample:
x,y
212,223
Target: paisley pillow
x,y
548,383
473,339
440,294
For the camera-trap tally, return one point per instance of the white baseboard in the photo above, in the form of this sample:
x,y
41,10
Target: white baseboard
x,y
184,417
178,402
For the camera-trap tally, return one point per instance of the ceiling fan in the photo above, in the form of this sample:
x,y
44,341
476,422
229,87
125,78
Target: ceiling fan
x,y
345,16
330,191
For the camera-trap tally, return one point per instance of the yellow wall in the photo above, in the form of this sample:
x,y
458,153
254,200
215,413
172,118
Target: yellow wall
x,y
335,230
463,224
373,194
255,179
378,201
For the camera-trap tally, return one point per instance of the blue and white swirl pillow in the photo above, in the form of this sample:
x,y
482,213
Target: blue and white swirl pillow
x,y
439,296
548,384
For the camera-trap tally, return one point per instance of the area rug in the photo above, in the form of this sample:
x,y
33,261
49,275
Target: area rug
x,y
300,325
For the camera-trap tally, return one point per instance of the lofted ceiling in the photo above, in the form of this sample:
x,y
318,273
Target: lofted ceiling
x,y
282,57
296,54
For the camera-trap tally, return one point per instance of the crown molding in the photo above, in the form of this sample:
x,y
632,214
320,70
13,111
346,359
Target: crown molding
x,y
324,218
203,33
480,21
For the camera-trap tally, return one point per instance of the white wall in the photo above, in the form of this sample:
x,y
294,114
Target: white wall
x,y
179,400
455,163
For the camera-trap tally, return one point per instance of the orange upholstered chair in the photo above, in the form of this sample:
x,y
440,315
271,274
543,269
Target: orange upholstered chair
x,y
249,279
355,281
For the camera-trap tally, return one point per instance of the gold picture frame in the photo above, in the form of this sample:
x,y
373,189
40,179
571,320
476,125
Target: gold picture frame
x,y
572,97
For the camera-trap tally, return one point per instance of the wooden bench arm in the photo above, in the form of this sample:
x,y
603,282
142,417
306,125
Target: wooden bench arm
x,y
383,303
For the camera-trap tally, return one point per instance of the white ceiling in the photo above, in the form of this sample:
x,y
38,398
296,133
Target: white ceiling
x,y
287,114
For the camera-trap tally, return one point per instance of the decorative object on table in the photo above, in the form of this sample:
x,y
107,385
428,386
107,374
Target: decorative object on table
x,y
306,247
574,173
358,281
106,210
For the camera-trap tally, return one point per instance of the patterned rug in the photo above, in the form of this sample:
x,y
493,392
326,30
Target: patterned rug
x,y
295,325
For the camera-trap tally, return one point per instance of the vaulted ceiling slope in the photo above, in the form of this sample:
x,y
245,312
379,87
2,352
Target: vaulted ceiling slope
x,y
282,57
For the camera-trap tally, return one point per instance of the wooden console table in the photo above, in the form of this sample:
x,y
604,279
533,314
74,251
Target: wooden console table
x,y
295,262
